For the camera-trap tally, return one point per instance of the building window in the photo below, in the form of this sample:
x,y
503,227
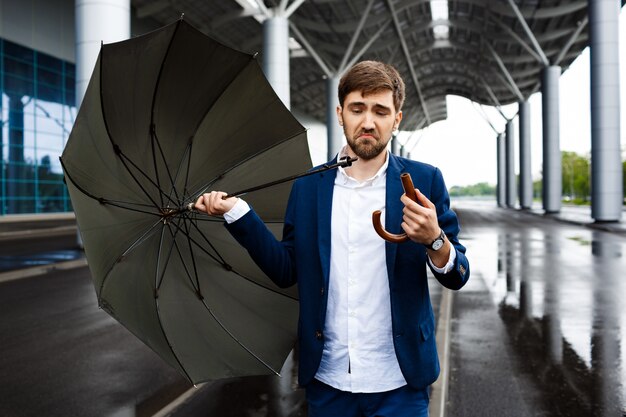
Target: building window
x,y
37,113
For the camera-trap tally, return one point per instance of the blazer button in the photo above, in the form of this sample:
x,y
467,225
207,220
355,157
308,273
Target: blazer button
x,y
322,291
318,335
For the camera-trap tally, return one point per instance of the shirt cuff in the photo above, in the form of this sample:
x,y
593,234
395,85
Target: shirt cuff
x,y
448,266
240,209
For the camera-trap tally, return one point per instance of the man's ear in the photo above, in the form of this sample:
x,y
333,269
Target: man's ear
x,y
398,119
339,116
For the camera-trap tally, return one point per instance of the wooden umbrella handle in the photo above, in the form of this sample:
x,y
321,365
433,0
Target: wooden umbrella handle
x,y
409,190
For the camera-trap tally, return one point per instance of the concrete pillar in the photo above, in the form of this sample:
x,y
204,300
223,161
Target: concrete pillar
x,y
96,22
606,167
395,145
525,174
509,149
552,185
335,133
501,175
276,56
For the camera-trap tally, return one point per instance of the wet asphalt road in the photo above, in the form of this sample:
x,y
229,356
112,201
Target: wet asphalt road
x,y
538,331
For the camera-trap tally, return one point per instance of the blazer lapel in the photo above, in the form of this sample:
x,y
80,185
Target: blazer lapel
x,y
393,209
325,188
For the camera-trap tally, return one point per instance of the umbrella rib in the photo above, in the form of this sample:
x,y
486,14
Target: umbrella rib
x,y
122,156
210,311
193,258
219,261
239,342
162,193
154,163
197,288
186,154
103,200
154,136
229,267
205,187
169,344
116,148
159,276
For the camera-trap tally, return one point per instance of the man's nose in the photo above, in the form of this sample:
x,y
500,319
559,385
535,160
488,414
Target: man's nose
x,y
368,121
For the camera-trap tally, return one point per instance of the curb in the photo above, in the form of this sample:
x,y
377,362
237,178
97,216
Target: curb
x,y
34,233
41,270
439,392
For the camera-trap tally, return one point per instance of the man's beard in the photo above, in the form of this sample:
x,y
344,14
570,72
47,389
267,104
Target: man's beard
x,y
367,149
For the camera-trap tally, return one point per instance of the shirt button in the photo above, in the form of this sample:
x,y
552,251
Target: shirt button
x,y
352,314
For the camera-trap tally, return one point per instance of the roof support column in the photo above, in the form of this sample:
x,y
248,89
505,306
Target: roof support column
x,y
525,176
509,149
606,167
335,133
276,56
97,22
500,188
552,181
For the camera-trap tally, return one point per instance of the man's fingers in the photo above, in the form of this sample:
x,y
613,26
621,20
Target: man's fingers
x,y
421,198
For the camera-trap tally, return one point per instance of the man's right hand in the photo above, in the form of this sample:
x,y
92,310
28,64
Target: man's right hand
x,y
213,203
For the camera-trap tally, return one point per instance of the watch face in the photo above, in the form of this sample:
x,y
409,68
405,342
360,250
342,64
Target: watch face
x,y
437,244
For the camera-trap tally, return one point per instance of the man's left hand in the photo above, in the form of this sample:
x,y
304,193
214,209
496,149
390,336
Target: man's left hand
x,y
421,226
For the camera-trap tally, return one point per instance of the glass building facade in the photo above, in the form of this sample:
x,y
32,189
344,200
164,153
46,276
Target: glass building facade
x,y
38,110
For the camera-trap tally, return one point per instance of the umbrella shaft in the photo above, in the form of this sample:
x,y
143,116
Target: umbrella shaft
x,y
344,162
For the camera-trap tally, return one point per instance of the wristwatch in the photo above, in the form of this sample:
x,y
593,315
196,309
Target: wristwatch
x,y
437,243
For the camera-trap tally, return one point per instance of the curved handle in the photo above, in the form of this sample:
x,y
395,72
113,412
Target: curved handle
x,y
409,190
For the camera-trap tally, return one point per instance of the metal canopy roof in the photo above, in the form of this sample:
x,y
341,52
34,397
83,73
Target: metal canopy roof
x,y
487,53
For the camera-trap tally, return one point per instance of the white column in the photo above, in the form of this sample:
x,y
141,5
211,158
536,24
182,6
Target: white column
x,y
552,181
276,56
511,183
97,21
335,133
501,157
606,165
525,175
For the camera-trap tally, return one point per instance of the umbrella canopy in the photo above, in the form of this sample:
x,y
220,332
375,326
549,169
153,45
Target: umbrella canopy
x,y
167,116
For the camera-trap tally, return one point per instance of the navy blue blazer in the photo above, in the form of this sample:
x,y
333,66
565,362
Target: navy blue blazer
x,y
303,257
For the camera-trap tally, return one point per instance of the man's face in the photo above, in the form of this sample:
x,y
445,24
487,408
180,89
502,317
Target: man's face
x,y
368,122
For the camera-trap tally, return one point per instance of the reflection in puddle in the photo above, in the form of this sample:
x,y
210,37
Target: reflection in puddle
x,y
560,295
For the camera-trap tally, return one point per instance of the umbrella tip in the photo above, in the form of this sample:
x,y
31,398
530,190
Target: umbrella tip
x,y
182,15
347,161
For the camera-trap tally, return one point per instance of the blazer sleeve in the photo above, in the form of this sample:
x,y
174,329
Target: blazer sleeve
x,y
449,223
274,257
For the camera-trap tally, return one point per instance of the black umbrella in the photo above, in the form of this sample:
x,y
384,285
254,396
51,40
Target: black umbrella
x,y
167,116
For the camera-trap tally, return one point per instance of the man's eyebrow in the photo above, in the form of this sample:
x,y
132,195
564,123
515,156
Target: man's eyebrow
x,y
377,106
382,107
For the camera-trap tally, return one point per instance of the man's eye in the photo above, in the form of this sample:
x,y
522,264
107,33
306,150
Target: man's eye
x,y
357,111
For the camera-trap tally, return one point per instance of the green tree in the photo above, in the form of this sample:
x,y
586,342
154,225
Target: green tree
x,y
576,179
479,189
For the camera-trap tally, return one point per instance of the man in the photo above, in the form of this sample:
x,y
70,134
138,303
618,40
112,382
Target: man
x,y
366,327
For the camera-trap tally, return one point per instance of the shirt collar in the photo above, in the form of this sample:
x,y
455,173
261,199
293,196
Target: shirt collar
x,y
344,178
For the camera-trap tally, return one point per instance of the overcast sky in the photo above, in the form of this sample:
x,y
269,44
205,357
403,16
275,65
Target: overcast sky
x,y
464,145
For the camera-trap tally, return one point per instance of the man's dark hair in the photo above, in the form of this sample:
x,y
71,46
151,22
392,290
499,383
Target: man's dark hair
x,y
370,77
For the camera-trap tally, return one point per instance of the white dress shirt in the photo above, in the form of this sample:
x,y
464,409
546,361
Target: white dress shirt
x,y
358,354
